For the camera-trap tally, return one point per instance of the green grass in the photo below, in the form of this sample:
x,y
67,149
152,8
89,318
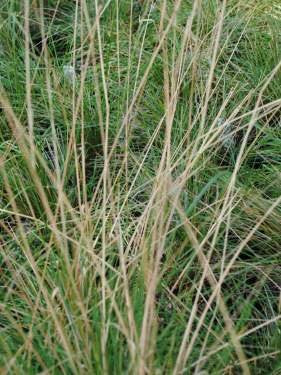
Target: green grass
x,y
140,201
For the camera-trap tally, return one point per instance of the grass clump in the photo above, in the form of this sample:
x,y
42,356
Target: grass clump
x,y
140,187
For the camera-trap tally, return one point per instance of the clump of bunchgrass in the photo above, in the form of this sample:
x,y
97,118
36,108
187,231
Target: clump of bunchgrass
x,y
139,180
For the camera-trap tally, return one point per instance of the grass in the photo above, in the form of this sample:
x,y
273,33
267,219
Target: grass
x,y
140,187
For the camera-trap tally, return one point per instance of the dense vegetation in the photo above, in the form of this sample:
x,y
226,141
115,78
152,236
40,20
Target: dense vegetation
x,y
140,187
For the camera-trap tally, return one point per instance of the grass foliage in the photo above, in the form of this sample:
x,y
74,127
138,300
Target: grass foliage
x,y
140,187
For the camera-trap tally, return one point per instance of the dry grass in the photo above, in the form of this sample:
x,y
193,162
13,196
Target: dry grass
x,y
137,233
